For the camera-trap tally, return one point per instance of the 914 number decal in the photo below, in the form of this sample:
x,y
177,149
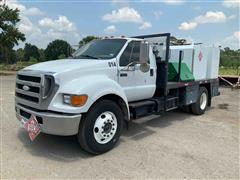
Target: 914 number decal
x,y
111,64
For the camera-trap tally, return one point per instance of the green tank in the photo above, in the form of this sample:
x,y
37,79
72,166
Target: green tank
x,y
186,74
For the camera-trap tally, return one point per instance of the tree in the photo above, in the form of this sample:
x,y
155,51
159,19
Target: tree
x,y
175,41
61,56
230,58
41,55
227,49
30,51
86,40
56,48
33,60
19,55
9,33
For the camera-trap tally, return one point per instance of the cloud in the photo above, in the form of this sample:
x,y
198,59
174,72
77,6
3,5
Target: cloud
x,y
124,14
173,2
187,26
60,28
24,11
232,41
231,3
232,17
14,4
237,35
145,25
157,14
47,29
209,17
41,37
33,12
60,24
110,29
26,26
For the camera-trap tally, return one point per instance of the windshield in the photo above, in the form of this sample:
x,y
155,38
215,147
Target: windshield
x,y
100,49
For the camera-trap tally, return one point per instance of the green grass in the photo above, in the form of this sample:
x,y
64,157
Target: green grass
x,y
229,71
15,67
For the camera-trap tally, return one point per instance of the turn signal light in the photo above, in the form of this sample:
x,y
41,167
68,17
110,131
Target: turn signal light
x,y
78,100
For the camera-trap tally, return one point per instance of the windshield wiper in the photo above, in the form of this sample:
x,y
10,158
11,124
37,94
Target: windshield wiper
x,y
89,56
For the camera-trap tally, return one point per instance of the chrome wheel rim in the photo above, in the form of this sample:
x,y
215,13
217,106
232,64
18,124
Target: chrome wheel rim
x,y
203,101
105,127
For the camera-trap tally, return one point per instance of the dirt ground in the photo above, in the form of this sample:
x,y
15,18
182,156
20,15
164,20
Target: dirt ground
x,y
176,145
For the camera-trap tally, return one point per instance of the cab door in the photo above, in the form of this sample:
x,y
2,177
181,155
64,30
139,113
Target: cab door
x,y
145,82
126,76
137,85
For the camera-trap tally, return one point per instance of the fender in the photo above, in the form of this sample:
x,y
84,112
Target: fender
x,y
95,86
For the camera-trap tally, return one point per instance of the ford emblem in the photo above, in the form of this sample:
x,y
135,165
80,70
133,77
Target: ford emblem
x,y
26,88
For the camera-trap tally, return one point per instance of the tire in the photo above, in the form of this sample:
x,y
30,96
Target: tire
x,y
101,127
200,106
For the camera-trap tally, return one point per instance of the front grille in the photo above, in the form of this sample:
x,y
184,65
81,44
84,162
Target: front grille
x,y
29,78
30,98
32,88
28,88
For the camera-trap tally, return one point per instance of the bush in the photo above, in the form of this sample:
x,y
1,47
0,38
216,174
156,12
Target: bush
x,y
32,60
61,56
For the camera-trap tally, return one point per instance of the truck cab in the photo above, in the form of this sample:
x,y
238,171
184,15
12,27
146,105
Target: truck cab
x,y
105,83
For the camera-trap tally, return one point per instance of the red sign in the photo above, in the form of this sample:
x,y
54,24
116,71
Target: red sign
x,y
200,56
32,127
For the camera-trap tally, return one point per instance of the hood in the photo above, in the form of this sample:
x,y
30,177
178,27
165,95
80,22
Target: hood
x,y
64,65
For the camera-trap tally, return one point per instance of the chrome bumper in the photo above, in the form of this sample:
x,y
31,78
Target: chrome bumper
x,y
53,123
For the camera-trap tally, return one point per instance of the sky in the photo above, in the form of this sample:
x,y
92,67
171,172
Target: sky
x,y
210,22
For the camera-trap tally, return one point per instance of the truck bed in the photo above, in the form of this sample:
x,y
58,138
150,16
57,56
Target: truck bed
x,y
174,85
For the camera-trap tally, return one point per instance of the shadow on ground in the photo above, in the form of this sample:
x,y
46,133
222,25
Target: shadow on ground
x,y
67,149
59,148
139,129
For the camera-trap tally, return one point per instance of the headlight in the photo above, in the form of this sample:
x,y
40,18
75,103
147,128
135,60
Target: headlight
x,y
66,99
75,100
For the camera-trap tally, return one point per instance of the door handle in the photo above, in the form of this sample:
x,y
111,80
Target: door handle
x,y
151,72
123,74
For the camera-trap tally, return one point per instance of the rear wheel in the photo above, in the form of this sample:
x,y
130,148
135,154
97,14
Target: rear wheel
x,y
101,127
200,106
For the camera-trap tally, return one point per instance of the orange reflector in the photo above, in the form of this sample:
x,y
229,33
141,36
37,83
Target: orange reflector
x,y
78,100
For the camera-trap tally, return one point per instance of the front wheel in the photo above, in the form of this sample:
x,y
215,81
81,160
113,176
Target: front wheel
x,y
101,127
200,106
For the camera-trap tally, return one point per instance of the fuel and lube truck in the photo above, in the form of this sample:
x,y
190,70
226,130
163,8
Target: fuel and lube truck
x,y
110,81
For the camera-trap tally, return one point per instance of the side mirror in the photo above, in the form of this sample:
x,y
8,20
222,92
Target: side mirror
x,y
144,67
144,56
144,52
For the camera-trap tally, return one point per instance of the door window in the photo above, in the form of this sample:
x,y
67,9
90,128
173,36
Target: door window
x,y
131,53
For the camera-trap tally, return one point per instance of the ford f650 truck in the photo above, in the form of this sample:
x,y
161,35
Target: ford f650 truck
x,y
110,81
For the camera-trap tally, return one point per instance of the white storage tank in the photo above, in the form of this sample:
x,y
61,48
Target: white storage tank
x,y
213,62
202,61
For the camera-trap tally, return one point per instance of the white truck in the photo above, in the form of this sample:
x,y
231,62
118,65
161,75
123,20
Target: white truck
x,y
110,81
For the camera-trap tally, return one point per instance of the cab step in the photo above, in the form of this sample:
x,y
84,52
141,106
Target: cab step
x,y
142,108
153,105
